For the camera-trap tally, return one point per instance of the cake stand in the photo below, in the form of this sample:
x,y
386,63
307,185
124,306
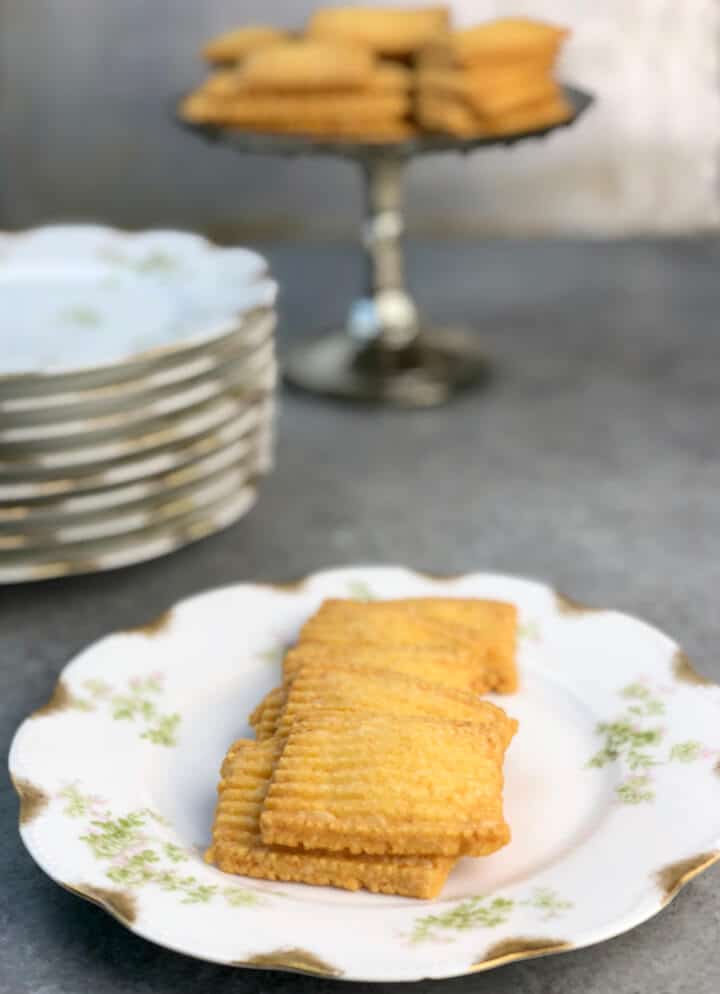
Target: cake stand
x,y
385,354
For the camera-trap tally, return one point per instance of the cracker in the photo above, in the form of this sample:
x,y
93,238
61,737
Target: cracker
x,y
386,30
304,66
534,117
222,85
486,629
490,94
386,78
391,77
386,784
232,754
232,46
449,115
456,117
271,703
237,846
380,622
348,687
268,720
299,111
506,40
448,665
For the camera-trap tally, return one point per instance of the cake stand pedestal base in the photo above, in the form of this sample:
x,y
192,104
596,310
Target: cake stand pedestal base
x,y
426,373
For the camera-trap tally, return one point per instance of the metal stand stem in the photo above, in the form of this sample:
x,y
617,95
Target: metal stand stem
x,y
386,314
383,356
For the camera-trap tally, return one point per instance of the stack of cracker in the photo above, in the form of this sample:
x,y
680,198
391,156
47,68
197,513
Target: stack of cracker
x,y
375,764
379,73
308,86
492,80
348,76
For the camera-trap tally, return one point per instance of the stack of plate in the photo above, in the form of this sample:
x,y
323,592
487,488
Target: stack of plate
x,y
137,374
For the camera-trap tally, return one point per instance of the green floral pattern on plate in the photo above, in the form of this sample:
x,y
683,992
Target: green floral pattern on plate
x,y
138,703
85,316
135,856
530,630
153,262
358,590
637,741
487,912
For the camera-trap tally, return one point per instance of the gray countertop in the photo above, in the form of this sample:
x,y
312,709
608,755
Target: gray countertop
x,y
592,462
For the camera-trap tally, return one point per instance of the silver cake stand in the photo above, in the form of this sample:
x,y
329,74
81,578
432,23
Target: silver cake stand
x,y
385,354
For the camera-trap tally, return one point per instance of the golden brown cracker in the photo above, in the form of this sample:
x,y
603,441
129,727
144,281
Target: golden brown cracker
x,y
501,74
490,95
386,30
486,626
386,78
231,757
386,784
434,81
274,699
448,665
347,687
305,66
450,115
533,117
300,111
265,718
383,622
234,45
222,85
391,77
506,40
197,108
455,116
486,629
498,102
237,845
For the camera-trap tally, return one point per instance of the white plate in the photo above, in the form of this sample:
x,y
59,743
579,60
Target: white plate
x,y
133,548
19,499
89,298
611,787
212,364
63,535
140,417
54,514
29,465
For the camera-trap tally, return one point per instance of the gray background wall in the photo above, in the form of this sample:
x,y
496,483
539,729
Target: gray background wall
x,y
86,131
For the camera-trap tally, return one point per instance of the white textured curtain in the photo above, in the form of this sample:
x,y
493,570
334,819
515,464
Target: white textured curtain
x,y
644,159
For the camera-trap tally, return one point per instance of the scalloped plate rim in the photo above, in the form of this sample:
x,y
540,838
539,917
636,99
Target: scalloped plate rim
x,y
645,908
199,339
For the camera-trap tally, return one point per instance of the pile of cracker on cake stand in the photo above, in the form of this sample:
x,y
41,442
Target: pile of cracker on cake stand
x,y
380,87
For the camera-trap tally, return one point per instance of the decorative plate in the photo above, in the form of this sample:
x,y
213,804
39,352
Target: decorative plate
x,y
138,546
612,787
63,537
101,482
84,298
157,437
52,515
215,364
257,373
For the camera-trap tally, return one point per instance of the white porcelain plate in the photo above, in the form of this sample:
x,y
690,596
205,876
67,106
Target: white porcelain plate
x,y
98,482
151,542
612,787
86,297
